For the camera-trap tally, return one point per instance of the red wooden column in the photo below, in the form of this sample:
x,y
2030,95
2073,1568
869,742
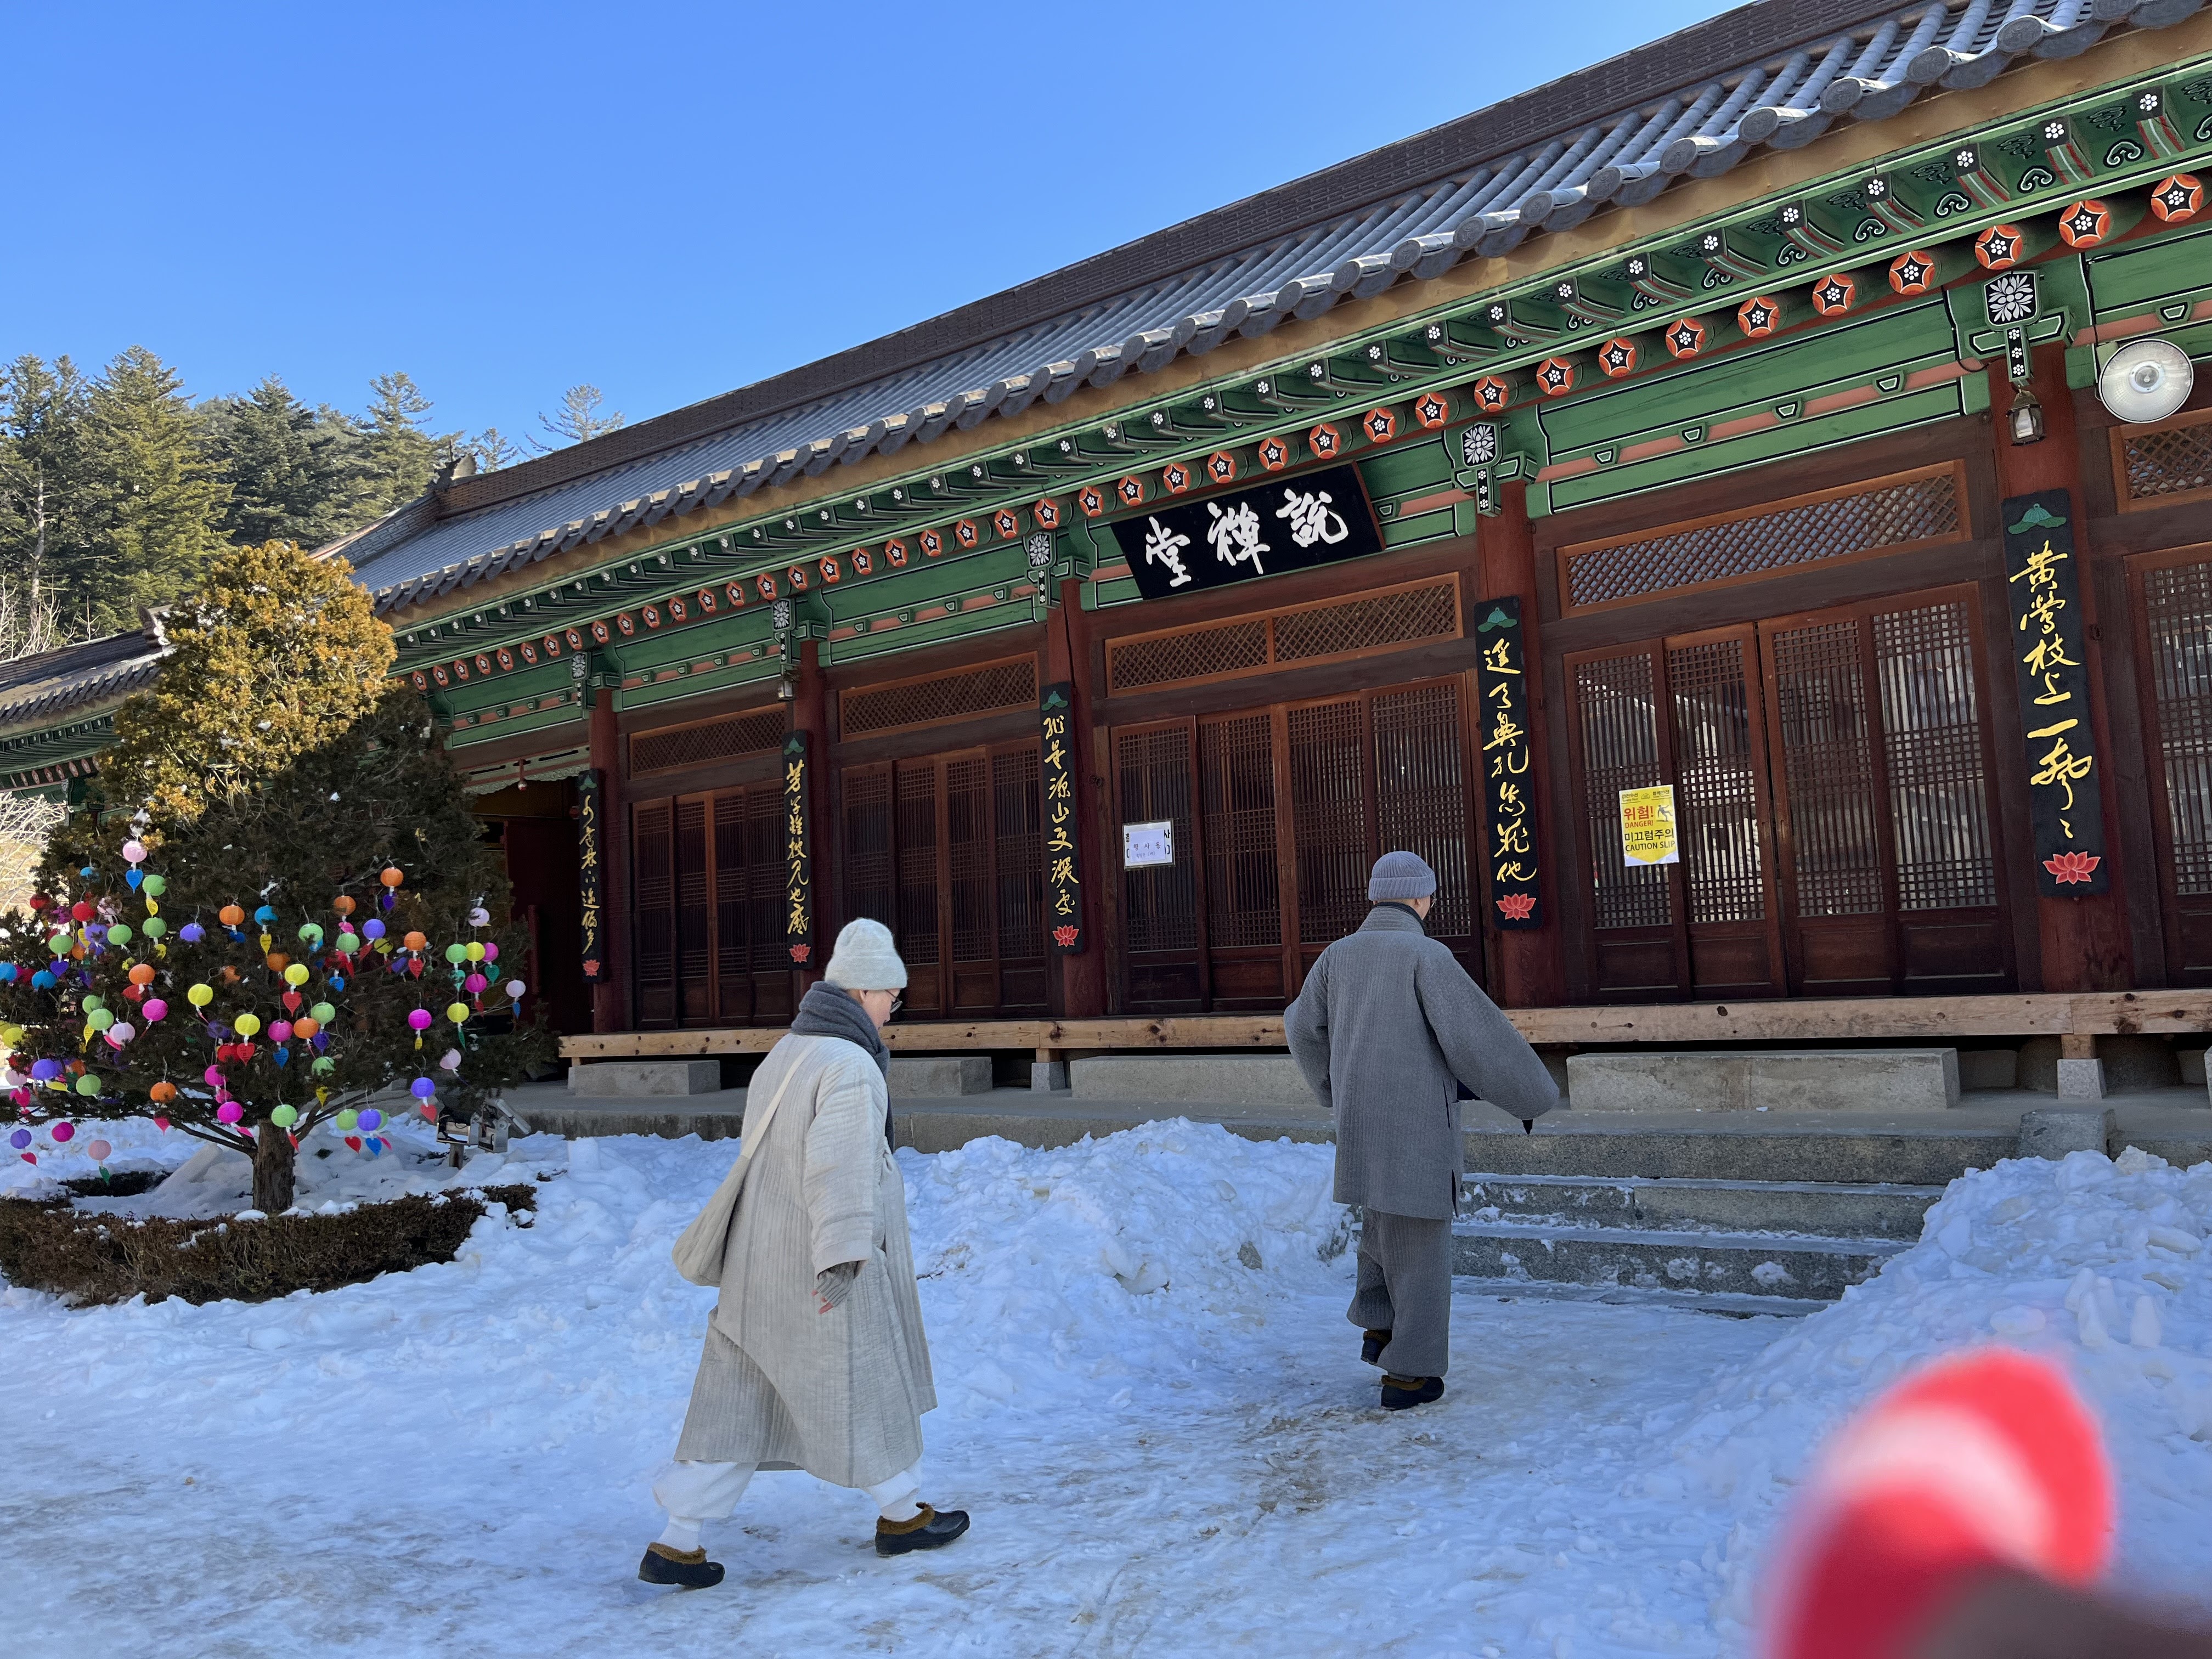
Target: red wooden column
x,y
2084,941
611,996
810,713
1078,990
1531,963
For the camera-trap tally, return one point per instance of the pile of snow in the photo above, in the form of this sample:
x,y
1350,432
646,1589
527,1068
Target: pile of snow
x,y
2100,1264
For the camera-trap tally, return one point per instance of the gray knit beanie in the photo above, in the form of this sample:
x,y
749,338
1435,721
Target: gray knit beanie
x,y
865,958
1401,876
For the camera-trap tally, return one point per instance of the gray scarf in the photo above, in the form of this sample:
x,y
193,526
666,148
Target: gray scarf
x,y
826,1011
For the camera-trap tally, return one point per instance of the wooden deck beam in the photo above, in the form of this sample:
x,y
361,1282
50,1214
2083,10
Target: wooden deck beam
x,y
1856,1018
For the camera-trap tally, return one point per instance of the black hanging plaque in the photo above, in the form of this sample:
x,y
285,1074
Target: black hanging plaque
x,y
588,870
1501,732
2043,583
1291,524
798,854
1063,878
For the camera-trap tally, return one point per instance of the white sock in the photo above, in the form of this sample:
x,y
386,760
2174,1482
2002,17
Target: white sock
x,y
902,1509
681,1535
896,1496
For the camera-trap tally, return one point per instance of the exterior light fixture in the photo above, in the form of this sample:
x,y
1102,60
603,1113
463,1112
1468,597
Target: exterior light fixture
x,y
2026,418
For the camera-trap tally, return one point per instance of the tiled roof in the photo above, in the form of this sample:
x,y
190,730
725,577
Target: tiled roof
x,y
1617,134
41,689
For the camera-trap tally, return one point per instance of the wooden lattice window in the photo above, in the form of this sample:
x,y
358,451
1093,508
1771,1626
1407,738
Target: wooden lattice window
x,y
1718,797
1827,754
1152,767
1616,708
1237,783
994,686
1421,794
1378,620
2178,611
653,901
1931,738
753,733
2165,463
1329,789
1914,509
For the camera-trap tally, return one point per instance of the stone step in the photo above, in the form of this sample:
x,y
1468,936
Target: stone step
x,y
1827,1209
1834,1152
1800,1267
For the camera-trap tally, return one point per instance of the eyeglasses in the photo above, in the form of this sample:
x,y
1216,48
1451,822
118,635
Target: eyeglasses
x,y
897,1003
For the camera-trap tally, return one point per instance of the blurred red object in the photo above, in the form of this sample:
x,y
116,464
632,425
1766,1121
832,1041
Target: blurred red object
x,y
1987,1461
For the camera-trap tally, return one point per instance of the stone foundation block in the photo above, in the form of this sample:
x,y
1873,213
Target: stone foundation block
x,y
1271,1079
940,1077
1826,1080
1049,1076
2059,1130
2081,1079
622,1079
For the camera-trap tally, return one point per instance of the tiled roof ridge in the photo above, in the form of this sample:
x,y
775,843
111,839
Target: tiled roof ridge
x,y
1835,59
1365,180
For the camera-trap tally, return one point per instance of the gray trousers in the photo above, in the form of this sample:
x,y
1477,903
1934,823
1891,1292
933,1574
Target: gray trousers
x,y
1405,1288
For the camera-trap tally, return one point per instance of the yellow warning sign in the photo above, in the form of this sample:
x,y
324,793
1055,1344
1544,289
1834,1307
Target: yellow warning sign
x,y
1647,826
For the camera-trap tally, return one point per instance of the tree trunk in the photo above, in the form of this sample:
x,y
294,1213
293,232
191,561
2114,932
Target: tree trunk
x,y
273,1172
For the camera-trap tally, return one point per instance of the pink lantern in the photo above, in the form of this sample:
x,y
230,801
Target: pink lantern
x,y
134,853
229,1112
214,1075
280,1030
474,983
155,1010
97,1150
62,1131
420,1019
491,953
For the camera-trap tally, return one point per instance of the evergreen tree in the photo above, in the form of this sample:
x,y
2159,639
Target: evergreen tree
x,y
402,457
493,450
580,420
47,487
162,500
272,652
295,473
271,816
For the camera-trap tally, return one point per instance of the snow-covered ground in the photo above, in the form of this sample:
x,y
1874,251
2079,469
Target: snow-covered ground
x,y
1152,1405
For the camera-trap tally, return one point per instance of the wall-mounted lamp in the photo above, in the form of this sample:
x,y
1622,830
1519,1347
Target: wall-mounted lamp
x,y
2026,418
785,688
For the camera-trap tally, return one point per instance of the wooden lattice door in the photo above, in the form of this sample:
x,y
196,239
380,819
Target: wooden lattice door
x,y
1683,712
947,851
2173,620
1294,804
707,902
1890,874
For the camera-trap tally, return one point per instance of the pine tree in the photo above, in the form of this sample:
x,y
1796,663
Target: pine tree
x,y
295,473
579,420
269,820
402,457
163,498
46,485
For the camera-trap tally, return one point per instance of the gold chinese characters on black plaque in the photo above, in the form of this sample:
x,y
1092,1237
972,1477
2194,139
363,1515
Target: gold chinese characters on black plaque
x,y
798,854
587,875
2043,585
1508,789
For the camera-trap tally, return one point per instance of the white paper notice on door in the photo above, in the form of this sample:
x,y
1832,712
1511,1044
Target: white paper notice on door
x,y
1144,845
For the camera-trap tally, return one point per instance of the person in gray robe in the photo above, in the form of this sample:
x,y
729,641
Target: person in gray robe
x,y
1387,1029
815,1358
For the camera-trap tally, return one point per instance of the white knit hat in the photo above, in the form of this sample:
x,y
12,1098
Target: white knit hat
x,y
866,959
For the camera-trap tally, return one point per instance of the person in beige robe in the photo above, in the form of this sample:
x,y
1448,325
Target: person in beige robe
x,y
815,1358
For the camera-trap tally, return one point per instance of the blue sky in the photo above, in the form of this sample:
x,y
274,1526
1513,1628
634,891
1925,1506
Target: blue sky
x,y
665,200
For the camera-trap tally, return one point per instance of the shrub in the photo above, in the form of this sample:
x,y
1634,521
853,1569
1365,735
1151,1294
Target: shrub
x,y
90,1259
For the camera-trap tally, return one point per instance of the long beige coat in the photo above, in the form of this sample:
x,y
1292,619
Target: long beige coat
x,y
782,1384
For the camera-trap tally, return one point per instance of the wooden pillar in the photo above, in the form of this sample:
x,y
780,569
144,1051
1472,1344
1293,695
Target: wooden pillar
x,y
1531,963
610,996
2083,942
1078,989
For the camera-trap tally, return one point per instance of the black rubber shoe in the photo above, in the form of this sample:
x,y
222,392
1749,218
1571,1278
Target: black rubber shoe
x,y
1371,1344
932,1530
687,1568
1399,1393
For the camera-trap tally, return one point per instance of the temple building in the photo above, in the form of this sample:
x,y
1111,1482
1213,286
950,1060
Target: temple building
x,y
1742,513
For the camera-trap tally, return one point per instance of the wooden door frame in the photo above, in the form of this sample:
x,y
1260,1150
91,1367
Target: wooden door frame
x,y
1188,724
1654,651
1969,596
2168,886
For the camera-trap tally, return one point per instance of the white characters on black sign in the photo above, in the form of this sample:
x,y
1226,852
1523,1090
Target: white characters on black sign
x,y
1164,546
1311,518
1236,535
